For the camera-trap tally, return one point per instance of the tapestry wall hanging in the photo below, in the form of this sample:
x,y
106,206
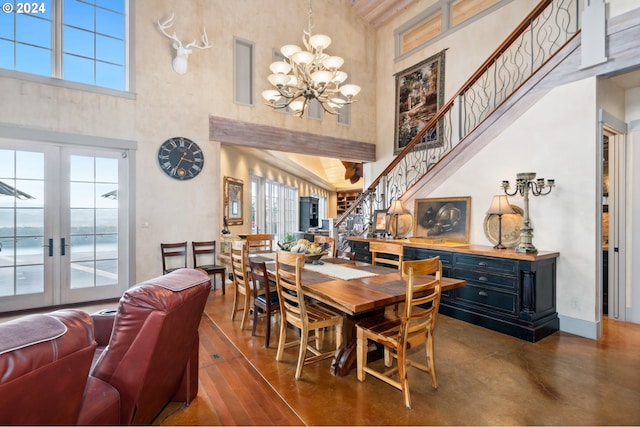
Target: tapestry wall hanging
x,y
419,95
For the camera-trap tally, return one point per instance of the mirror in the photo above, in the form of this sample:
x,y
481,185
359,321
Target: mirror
x,y
233,200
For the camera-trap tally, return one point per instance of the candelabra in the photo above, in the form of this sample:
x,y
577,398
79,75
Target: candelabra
x,y
525,184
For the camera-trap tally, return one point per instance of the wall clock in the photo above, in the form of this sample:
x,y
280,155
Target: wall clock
x,y
180,158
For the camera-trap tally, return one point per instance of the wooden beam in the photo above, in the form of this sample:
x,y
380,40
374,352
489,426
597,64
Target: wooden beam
x,y
234,132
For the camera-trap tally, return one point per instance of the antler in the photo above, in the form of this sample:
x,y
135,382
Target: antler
x,y
205,41
168,24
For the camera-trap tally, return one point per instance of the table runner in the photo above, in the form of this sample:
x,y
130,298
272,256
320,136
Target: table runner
x,y
339,271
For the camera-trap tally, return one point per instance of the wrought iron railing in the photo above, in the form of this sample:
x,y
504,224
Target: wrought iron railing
x,y
543,33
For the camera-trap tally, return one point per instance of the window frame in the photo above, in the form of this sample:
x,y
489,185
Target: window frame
x,y
56,77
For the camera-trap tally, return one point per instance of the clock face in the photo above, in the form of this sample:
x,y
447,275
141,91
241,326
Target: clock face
x,y
180,158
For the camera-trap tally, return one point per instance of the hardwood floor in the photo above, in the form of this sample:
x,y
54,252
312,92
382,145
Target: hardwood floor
x,y
231,392
486,378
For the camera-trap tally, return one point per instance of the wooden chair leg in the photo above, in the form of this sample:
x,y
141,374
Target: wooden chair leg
x,y
224,285
267,332
361,354
234,309
403,380
282,338
245,312
255,322
431,362
304,339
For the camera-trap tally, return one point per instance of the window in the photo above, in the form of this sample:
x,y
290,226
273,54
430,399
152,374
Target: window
x,y
322,205
243,72
438,20
274,207
83,41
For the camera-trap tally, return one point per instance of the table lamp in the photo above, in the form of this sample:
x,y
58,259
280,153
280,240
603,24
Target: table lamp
x,y
500,206
397,209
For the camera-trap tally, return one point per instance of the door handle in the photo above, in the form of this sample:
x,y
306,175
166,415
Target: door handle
x,y
62,246
50,246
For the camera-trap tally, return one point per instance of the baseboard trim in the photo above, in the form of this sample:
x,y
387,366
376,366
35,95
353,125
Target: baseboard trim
x,y
583,328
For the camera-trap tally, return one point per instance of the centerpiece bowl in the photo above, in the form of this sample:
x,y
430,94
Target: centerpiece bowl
x,y
314,258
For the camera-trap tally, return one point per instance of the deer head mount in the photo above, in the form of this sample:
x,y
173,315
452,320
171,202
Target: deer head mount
x,y
182,53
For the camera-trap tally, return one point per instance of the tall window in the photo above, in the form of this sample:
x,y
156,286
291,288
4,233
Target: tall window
x,y
274,207
83,41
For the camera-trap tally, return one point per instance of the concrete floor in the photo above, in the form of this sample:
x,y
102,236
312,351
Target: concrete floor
x,y
486,378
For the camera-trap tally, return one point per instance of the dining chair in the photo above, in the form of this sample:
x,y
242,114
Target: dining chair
x,y
301,314
173,250
398,334
240,280
329,244
392,249
207,251
346,255
260,242
265,299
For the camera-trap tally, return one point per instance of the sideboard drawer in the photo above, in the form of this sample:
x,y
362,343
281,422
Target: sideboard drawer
x,y
487,299
479,263
487,279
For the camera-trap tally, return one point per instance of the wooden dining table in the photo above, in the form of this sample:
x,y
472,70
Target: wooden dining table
x,y
367,291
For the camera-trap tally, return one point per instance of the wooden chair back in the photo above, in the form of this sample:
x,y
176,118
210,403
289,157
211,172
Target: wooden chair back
x,y
328,242
173,250
288,275
265,297
420,312
393,249
204,253
260,242
240,279
204,257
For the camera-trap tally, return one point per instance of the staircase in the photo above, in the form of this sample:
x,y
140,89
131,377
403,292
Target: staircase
x,y
497,93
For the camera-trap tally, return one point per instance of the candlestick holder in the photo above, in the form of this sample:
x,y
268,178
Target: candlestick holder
x,y
526,183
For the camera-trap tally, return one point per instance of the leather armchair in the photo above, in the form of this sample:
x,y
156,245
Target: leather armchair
x,y
147,350
44,364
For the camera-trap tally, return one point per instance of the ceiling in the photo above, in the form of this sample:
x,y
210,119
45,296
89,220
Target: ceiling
x,y
379,12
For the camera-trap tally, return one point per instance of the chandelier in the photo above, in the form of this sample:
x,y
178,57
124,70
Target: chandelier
x,y
304,75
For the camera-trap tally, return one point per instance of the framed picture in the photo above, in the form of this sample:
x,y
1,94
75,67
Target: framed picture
x,y
419,95
380,221
444,218
233,189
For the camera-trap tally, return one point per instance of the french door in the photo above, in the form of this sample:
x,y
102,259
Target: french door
x,y
63,224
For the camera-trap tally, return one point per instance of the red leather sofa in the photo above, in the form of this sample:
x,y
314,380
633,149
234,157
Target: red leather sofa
x,y
114,367
44,365
147,350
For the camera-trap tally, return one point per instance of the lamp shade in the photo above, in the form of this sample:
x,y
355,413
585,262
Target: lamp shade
x,y
319,41
397,208
500,205
350,90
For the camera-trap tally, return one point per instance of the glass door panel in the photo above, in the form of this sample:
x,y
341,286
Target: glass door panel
x,y
93,225
24,267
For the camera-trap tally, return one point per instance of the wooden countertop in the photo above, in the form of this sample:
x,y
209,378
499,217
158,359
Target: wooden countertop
x,y
421,242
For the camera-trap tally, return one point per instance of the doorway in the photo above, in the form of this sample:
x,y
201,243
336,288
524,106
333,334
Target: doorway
x,y
612,277
63,224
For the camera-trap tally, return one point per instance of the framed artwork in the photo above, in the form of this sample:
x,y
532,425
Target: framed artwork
x,y
419,95
233,189
446,218
380,221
